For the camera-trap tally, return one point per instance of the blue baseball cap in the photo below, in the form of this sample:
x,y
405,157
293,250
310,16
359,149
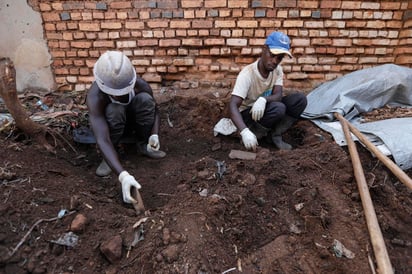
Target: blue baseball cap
x,y
278,43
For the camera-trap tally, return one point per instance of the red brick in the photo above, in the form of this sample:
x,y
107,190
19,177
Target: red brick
x,y
214,41
330,4
308,4
54,36
237,3
285,3
134,25
247,24
147,42
404,60
202,24
215,3
183,62
225,24
191,3
81,44
50,16
121,5
192,42
183,24
293,23
103,44
44,7
157,24
89,26
111,25
49,26
169,43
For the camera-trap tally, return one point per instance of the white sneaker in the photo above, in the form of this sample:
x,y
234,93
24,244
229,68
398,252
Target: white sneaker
x,y
103,169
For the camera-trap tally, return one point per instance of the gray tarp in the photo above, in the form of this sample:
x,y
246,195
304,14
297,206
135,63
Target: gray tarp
x,y
362,91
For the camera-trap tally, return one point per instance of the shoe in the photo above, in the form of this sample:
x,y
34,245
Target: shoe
x,y
154,154
276,135
279,143
103,169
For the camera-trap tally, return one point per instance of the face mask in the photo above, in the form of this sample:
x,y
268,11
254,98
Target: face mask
x,y
131,95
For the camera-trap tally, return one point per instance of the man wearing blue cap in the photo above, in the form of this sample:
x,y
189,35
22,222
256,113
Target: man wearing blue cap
x,y
257,106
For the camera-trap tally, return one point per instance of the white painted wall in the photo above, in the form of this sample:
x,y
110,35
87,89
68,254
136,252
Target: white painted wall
x,y
21,33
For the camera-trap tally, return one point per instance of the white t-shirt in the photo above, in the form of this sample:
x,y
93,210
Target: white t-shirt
x,y
250,84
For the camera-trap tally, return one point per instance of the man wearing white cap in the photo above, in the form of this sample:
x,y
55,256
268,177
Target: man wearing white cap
x,y
120,103
258,106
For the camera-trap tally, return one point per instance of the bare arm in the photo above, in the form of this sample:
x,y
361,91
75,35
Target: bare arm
x,y
235,115
96,103
276,96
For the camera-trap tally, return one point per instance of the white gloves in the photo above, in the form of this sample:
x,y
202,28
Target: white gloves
x,y
128,181
153,144
249,139
258,109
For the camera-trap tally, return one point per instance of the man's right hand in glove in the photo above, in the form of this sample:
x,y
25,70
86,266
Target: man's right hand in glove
x,y
128,181
249,139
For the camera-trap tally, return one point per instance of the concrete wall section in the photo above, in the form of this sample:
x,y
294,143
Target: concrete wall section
x,y
22,41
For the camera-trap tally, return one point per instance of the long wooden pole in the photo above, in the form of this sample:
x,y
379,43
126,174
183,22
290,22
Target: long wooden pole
x,y
399,173
378,244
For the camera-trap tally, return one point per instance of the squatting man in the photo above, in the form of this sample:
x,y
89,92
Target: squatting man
x,y
257,106
120,104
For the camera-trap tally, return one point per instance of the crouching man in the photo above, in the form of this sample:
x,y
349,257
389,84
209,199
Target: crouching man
x,y
258,107
120,104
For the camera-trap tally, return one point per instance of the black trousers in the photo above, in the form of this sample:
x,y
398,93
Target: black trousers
x,y
292,105
133,120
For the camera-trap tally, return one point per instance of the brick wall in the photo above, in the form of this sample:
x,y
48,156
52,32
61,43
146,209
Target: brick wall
x,y
205,43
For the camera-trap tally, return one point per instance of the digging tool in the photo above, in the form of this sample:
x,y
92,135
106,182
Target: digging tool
x,y
139,206
378,244
399,173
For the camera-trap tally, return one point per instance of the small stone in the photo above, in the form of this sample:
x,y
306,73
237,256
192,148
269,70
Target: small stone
x,y
166,236
171,253
260,201
216,146
175,237
242,155
112,249
159,258
79,223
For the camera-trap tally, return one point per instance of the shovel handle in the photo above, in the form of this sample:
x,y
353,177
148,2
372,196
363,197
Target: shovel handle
x,y
139,206
397,171
378,243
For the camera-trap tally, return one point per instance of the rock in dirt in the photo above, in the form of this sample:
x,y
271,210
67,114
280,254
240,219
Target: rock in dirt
x,y
112,249
79,223
171,253
4,254
166,236
242,155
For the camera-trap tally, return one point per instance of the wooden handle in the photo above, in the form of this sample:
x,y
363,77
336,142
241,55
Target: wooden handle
x,y
378,243
399,173
139,206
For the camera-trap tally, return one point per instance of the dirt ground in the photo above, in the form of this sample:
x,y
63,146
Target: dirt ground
x,y
284,212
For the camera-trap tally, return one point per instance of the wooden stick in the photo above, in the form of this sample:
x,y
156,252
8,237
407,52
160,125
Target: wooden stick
x,y
378,244
139,206
31,229
399,173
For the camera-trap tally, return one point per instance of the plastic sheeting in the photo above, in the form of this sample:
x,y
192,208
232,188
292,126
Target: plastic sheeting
x,y
362,91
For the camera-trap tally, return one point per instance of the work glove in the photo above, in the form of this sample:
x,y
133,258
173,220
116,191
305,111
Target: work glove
x,y
258,109
249,139
128,181
153,144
